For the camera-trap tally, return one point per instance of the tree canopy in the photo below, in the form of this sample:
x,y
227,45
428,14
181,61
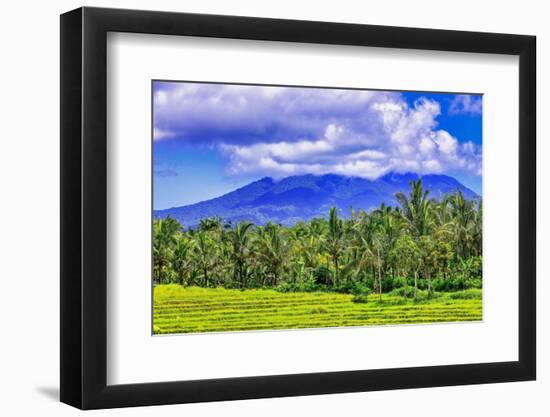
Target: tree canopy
x,y
422,243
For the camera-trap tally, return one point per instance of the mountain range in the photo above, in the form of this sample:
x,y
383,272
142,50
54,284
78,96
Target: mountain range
x,y
303,197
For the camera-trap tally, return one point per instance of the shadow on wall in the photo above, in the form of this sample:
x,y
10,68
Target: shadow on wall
x,y
50,392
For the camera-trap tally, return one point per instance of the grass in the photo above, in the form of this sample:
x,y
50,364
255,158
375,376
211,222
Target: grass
x,y
192,310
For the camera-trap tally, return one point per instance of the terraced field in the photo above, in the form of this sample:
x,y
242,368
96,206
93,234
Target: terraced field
x,y
193,309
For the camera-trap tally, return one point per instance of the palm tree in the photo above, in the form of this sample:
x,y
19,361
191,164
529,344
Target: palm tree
x,y
416,209
182,262
317,228
362,243
239,239
164,239
477,230
406,256
390,227
334,243
271,250
463,214
210,224
205,255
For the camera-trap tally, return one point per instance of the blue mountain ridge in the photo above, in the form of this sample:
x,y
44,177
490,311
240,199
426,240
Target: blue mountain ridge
x,y
303,197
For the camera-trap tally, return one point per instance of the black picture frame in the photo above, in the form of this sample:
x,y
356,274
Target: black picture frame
x,y
84,207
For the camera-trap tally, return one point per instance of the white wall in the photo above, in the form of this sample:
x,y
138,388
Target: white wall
x,y
29,237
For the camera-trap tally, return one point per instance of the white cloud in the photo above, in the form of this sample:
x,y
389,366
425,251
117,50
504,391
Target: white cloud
x,y
426,145
369,154
409,142
432,165
464,103
159,134
288,131
447,144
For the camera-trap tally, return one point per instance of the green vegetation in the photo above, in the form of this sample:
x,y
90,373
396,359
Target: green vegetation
x,y
180,309
424,256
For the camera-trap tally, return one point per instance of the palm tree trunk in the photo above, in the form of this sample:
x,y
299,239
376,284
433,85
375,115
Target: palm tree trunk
x,y
379,285
405,273
160,272
379,277
429,279
275,275
337,275
415,283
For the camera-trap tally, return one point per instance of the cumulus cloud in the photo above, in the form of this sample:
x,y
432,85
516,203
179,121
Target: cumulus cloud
x,y
159,134
466,104
214,113
280,131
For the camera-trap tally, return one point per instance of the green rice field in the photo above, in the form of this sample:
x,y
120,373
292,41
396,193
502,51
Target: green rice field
x,y
180,309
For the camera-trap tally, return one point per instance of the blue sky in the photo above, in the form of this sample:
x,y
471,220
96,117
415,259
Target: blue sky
x,y
209,139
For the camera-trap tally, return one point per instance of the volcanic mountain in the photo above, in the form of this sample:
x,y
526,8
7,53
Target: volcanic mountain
x,y
303,197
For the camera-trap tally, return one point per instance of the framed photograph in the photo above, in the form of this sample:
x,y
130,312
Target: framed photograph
x,y
256,208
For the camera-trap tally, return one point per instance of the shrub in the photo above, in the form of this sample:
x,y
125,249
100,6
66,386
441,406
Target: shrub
x,y
369,282
475,283
402,291
458,283
359,298
363,290
389,283
359,288
286,287
322,275
309,285
421,295
440,284
399,282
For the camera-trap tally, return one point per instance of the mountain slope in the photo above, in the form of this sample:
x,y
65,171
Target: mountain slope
x,y
306,196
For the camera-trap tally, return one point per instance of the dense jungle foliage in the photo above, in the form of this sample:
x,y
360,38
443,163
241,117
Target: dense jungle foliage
x,y
421,246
